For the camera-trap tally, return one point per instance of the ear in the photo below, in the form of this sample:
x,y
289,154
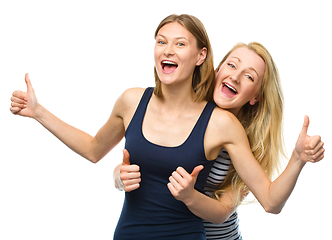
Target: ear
x,y
201,56
254,100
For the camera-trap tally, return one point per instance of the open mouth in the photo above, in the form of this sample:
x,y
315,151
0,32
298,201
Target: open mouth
x,y
228,90
168,66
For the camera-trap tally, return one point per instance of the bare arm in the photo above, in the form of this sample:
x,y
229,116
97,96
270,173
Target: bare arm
x,y
273,195
91,148
181,186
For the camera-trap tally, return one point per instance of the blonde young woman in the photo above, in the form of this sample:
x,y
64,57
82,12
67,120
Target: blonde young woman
x,y
261,117
170,125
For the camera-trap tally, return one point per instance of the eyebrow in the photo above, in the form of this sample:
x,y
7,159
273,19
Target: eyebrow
x,y
175,38
251,68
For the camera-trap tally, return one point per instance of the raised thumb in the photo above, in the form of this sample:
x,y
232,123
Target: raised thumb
x,y
28,82
125,159
305,127
196,171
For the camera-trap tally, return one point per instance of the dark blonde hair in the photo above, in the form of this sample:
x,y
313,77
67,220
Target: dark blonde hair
x,y
262,123
203,77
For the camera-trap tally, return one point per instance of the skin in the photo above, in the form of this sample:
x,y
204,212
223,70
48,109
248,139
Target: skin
x,y
173,117
244,71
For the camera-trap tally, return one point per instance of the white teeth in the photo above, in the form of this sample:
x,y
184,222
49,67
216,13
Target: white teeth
x,y
230,87
169,62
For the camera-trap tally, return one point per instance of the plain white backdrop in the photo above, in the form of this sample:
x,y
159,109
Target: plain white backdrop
x,y
81,55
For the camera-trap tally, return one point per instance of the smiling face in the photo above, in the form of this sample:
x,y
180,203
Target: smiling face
x,y
239,80
176,54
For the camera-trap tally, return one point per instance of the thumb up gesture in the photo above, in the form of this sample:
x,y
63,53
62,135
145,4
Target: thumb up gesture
x,y
181,183
309,148
130,176
24,103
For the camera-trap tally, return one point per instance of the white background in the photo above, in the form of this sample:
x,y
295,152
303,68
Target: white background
x,y
81,55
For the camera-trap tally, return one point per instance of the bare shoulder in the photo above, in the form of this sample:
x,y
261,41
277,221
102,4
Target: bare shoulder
x,y
128,99
222,129
222,119
127,103
131,96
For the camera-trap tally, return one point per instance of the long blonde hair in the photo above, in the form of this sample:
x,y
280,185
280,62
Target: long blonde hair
x,y
262,123
204,75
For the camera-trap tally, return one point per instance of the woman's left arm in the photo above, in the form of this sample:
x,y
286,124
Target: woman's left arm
x,y
273,195
181,186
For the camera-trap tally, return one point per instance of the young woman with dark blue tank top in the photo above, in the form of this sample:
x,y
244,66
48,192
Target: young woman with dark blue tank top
x,y
151,212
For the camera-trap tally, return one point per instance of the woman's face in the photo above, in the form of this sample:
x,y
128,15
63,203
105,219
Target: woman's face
x,y
176,54
239,79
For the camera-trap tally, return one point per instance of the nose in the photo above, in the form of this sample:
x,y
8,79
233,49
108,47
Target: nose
x,y
235,77
169,51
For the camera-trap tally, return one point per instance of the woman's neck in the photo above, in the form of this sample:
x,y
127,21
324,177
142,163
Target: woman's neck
x,y
177,97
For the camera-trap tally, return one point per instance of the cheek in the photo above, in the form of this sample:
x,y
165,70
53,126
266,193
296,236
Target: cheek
x,y
249,93
219,79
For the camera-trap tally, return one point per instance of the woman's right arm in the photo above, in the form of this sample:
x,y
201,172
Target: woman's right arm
x,y
91,148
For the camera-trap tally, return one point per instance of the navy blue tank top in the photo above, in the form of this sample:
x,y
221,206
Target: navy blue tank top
x,y
151,211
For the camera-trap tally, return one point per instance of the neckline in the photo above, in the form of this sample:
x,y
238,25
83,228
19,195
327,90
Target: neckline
x,y
184,142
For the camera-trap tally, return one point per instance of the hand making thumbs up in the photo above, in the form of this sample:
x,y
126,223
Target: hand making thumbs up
x,y
309,148
130,176
24,103
181,183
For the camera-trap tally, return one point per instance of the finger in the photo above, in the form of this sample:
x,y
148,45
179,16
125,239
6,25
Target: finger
x,y
15,110
183,173
175,183
313,142
311,151
320,157
171,188
126,156
131,188
14,104
131,182
305,126
129,175
19,94
18,100
317,156
180,179
196,171
129,168
28,83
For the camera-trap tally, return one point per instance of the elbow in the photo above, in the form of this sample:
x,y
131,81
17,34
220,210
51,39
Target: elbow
x,y
221,219
273,210
94,160
218,221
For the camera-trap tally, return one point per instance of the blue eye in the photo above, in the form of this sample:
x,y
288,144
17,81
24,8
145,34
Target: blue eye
x,y
231,65
161,42
180,44
249,77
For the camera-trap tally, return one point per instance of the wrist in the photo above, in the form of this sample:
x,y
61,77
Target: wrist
x,y
38,113
190,201
296,159
118,183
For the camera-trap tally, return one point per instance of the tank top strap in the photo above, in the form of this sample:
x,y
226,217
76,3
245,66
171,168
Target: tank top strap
x,y
137,120
200,128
